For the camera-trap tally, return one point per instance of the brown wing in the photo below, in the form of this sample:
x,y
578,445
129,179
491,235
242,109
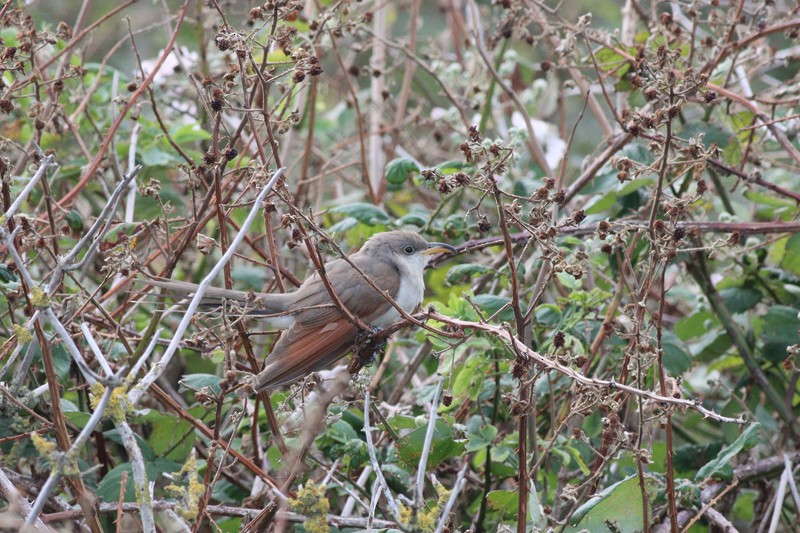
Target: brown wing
x,y
321,336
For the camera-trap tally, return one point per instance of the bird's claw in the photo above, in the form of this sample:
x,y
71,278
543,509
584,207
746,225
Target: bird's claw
x,y
367,346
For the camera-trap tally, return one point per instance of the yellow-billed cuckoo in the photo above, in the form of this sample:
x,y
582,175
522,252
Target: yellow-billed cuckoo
x,y
316,333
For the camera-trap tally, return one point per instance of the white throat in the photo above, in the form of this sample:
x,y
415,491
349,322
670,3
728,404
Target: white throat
x,y
411,290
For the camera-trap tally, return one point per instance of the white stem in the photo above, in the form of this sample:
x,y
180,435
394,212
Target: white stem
x,y
136,393
46,162
57,472
426,446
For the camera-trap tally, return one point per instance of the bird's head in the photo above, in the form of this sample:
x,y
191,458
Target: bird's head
x,y
404,247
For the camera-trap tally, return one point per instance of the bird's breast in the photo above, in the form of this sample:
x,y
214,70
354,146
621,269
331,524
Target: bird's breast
x,y
409,296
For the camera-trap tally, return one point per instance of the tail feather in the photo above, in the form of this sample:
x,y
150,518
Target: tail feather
x,y
258,303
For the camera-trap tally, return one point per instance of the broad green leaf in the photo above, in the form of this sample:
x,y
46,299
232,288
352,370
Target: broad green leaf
x,y
693,325
5,275
443,446
187,133
73,414
765,199
504,501
602,203
490,304
74,221
791,255
634,185
397,170
720,467
740,299
616,509
250,276
365,213
483,438
61,360
569,281
676,359
451,167
109,486
691,457
170,437
781,326
414,219
155,157
197,382
463,273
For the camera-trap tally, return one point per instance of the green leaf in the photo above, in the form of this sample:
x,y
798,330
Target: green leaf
x,y
250,276
490,304
690,457
504,501
114,236
720,467
155,157
765,199
740,299
483,438
443,446
693,325
791,255
451,167
62,361
634,185
602,203
676,359
576,457
170,437
781,326
616,509
197,382
187,133
73,414
569,281
365,213
5,275
463,273
108,488
74,221
414,219
397,170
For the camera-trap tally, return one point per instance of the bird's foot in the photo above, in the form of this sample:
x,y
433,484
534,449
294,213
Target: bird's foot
x,y
369,343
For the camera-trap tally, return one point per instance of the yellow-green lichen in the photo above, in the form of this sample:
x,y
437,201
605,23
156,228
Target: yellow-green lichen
x,y
24,335
426,519
39,299
312,503
189,494
46,448
118,405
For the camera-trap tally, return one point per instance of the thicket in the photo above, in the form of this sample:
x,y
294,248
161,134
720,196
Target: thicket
x,y
613,348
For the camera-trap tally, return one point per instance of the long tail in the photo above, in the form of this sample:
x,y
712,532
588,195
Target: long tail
x,y
257,304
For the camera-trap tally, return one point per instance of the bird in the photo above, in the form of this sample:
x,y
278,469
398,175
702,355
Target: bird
x,y
316,333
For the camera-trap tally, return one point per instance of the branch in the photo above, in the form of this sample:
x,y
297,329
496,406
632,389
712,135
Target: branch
x,y
576,376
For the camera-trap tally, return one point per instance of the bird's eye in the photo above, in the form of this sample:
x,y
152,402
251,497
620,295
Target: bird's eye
x,y
409,249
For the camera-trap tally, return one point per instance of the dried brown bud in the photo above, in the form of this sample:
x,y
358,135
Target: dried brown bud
x,y
701,186
559,339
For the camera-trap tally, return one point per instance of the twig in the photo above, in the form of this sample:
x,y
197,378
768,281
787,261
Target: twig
x,y
459,484
383,486
576,376
426,446
58,469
